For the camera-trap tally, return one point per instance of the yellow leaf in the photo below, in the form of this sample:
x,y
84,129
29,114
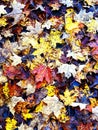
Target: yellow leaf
x,y
63,117
10,124
54,38
6,90
70,25
96,66
51,90
86,90
39,107
69,97
43,47
92,25
27,115
3,22
94,102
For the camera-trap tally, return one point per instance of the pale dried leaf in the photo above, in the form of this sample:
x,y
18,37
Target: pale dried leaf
x,y
2,10
68,70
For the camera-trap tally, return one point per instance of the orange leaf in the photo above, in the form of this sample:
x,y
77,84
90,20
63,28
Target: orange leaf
x,y
15,90
85,126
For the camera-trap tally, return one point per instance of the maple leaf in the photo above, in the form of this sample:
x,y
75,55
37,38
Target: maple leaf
x,y
3,22
10,124
67,69
81,105
47,24
29,40
27,115
94,102
6,90
12,103
16,59
91,2
76,55
69,3
36,29
11,71
54,38
69,97
95,110
14,90
87,126
51,90
92,25
17,11
94,51
30,89
2,10
42,72
49,105
83,16
44,47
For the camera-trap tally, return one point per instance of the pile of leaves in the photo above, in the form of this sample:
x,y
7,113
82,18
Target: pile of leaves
x,y
48,64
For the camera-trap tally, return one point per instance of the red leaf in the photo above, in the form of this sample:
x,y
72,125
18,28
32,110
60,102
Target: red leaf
x,y
15,90
10,71
42,73
40,84
85,126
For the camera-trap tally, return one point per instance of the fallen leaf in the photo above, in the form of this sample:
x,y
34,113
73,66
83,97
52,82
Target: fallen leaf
x,y
68,70
14,90
16,59
11,71
3,22
69,97
10,124
42,72
2,10
12,103
81,105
